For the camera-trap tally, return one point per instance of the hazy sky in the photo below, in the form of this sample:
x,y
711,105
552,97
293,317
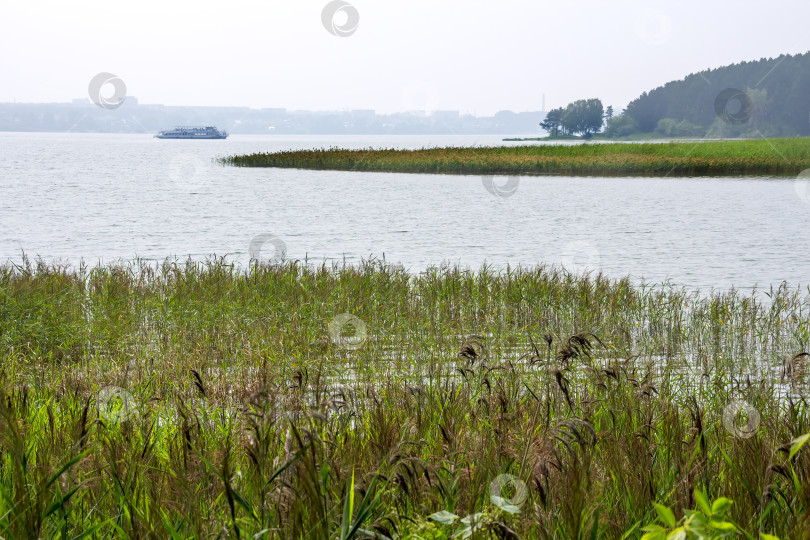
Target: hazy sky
x,y
469,55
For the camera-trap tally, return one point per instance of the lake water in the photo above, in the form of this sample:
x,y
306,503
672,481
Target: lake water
x,y
102,197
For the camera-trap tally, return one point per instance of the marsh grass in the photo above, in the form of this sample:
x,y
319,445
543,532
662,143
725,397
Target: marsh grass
x,y
601,397
778,157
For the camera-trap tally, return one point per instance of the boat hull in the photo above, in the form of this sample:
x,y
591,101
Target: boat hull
x,y
193,132
191,136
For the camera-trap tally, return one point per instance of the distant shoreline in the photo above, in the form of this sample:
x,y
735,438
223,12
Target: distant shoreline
x,y
624,140
765,157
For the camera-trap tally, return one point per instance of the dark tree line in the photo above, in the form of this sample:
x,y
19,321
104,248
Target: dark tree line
x,y
770,97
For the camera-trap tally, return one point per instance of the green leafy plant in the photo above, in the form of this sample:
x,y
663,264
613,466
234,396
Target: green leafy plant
x,y
707,521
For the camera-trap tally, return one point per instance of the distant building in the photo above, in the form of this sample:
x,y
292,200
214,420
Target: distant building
x,y
129,101
82,115
446,116
274,112
363,114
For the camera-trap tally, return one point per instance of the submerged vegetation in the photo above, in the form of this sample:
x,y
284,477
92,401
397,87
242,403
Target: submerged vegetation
x,y
784,157
202,400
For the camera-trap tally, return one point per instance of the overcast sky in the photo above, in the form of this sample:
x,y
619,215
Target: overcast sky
x,y
473,56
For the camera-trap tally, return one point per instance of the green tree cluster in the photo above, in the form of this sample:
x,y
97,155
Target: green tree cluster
x,y
583,117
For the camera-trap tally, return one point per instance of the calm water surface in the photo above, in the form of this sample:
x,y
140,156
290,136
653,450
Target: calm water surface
x,y
106,197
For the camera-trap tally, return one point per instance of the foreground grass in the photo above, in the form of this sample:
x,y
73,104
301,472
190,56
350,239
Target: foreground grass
x,y
786,157
237,410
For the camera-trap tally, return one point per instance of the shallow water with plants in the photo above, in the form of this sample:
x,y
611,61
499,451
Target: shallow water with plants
x,y
203,399
110,197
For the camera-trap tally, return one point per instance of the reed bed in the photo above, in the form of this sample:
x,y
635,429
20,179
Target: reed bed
x,y
776,157
203,400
